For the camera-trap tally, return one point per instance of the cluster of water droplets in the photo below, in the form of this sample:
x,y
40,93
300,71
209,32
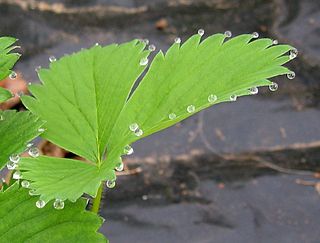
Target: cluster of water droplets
x,y
57,204
13,161
134,127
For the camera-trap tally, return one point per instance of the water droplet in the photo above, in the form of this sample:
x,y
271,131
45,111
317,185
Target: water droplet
x,y
32,192
133,127
52,59
40,203
41,129
233,97
144,61
293,53
228,33
25,184
138,132
128,150
11,165
152,48
120,166
58,204
13,75
146,41
29,145
255,34
273,87
37,69
201,32
291,75
111,183
212,98
254,90
172,116
14,158
17,175
96,44
34,152
144,197
191,108
177,40
275,42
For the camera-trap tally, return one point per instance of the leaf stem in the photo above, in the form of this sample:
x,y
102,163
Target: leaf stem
x,y
97,200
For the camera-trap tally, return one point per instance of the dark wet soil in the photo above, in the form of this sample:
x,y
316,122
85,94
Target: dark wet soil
x,y
218,176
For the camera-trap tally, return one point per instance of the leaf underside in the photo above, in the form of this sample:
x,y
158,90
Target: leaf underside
x,y
16,130
22,221
84,99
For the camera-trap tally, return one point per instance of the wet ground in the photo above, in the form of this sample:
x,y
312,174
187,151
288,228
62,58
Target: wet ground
x,y
218,176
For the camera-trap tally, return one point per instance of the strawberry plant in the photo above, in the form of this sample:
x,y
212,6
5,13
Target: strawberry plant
x,y
91,109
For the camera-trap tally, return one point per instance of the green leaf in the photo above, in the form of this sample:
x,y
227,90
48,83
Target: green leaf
x,y
84,98
7,59
4,94
83,94
189,74
16,130
71,178
23,222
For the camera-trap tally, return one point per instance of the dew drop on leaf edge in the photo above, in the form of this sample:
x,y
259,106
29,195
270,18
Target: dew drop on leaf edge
x,y
144,61
255,35
13,75
33,152
138,132
201,32
25,184
119,167
11,165
128,150
228,33
58,204
293,53
291,75
111,183
191,108
177,40
172,116
133,127
273,87
17,175
254,90
40,203
233,97
15,158
212,98
152,48
52,59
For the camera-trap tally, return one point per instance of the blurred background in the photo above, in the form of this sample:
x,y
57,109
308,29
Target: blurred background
x,y
242,172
